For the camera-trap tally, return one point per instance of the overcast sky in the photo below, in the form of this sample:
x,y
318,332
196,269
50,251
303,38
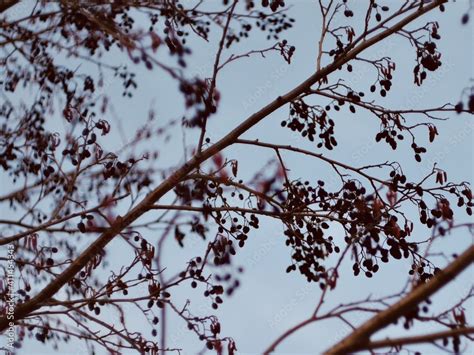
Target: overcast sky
x,y
269,300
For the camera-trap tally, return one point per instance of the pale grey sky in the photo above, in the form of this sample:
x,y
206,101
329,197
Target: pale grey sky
x,y
269,300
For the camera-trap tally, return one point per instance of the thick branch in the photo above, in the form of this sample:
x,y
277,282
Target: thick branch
x,y
417,339
121,223
6,4
359,339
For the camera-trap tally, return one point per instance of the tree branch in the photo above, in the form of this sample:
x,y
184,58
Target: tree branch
x,y
359,339
22,310
417,339
6,4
